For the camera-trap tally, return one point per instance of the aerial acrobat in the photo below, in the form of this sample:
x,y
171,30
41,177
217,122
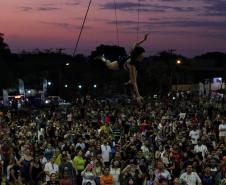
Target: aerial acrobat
x,y
130,64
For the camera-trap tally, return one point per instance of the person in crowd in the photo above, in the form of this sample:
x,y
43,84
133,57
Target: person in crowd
x,y
190,177
52,180
66,180
106,178
207,178
162,181
80,144
162,173
98,166
14,176
36,171
132,173
201,148
106,153
223,181
149,178
176,181
69,119
194,135
49,152
51,168
222,131
88,175
79,165
66,168
115,171
24,163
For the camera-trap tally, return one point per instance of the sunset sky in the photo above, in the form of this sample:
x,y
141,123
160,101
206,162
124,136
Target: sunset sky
x,y
191,27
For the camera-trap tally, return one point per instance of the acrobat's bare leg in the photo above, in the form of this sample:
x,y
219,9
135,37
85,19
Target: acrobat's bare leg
x,y
110,65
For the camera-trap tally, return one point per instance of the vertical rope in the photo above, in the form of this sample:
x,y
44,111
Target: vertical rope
x,y
116,23
83,23
138,19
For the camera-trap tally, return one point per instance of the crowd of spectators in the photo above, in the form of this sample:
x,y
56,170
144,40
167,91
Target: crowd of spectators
x,y
179,140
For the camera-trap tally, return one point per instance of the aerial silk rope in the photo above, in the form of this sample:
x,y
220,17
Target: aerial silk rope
x,y
116,23
138,19
82,28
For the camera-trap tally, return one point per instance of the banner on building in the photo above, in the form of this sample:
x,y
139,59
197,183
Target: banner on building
x,y
44,89
21,87
5,97
201,89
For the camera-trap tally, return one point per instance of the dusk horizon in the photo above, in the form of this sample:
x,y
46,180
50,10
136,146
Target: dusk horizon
x,y
191,27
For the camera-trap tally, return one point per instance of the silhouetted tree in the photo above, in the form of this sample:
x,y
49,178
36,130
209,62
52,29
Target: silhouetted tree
x,y
5,71
4,48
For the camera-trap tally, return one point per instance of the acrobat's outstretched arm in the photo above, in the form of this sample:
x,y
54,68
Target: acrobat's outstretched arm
x,y
141,41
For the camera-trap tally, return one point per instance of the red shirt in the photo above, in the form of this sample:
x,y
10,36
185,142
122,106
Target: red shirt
x,y
176,158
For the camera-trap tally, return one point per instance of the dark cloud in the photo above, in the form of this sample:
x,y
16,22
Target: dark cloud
x,y
122,5
72,3
47,8
181,9
175,23
218,35
192,23
26,8
215,8
211,34
174,0
44,7
131,29
64,25
130,6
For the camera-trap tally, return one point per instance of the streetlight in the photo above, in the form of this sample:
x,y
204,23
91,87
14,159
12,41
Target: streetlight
x,y
79,86
49,83
95,86
67,64
65,85
178,62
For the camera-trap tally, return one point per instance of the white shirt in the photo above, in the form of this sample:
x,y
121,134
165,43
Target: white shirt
x,y
88,177
82,145
201,148
51,168
165,157
115,173
88,153
145,151
194,134
222,127
106,150
41,132
182,116
192,179
69,117
44,161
